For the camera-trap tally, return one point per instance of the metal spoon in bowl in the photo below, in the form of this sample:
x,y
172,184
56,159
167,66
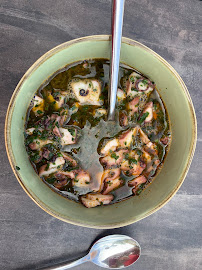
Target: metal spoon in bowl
x,y
112,252
117,24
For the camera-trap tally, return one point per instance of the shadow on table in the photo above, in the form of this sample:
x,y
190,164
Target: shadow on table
x,y
55,261
52,262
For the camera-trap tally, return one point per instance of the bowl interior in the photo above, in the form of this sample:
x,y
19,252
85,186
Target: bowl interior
x,y
183,126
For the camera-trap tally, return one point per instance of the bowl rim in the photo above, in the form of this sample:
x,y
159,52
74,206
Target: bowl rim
x,y
28,73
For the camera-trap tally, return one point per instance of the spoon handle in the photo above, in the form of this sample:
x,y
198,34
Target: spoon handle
x,y
117,24
67,265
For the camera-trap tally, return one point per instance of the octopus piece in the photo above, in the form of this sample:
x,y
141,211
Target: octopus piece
x,y
114,159
60,184
149,110
137,181
30,131
46,153
51,167
126,138
120,95
111,145
133,105
38,107
70,159
60,100
86,91
111,185
56,131
133,168
123,119
82,179
68,135
111,174
143,136
38,144
165,140
61,175
136,85
92,200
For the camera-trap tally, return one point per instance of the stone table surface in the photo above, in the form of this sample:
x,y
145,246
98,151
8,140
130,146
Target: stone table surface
x,y
171,238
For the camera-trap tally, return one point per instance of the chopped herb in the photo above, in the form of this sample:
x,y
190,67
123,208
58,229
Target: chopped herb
x,y
114,156
139,152
72,131
39,112
47,166
143,117
17,168
144,81
132,79
87,182
76,180
133,161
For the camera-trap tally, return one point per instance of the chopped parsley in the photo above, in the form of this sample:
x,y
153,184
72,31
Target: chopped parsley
x,y
113,155
143,117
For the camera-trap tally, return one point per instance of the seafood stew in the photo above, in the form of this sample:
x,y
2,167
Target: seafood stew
x,y
77,152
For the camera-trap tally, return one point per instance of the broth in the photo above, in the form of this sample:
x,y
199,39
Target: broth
x,y
80,154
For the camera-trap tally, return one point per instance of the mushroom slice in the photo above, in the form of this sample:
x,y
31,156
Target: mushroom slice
x,y
68,135
93,200
111,185
82,179
110,145
86,91
51,167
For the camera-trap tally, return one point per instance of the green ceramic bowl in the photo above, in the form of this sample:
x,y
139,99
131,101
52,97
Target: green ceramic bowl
x,y
183,124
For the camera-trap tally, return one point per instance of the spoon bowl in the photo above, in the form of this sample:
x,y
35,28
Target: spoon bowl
x,y
113,252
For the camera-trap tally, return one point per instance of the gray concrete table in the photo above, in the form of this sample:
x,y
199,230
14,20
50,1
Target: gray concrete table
x,y
171,238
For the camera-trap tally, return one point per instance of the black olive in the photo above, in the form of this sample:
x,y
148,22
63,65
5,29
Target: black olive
x,y
83,93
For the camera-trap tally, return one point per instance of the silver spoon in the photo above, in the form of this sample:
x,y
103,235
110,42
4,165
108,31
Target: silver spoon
x,y
117,24
112,252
